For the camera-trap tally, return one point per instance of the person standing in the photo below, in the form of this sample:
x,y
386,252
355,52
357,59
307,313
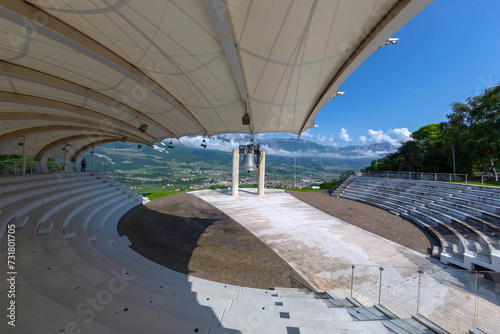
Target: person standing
x,y
84,164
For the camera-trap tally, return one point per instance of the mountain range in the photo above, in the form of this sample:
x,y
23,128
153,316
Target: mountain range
x,y
297,147
189,164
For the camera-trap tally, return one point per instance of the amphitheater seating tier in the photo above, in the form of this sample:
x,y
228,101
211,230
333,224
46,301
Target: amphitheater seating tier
x,y
464,218
69,255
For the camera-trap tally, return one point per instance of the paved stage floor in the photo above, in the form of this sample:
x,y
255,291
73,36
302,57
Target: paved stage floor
x,y
322,248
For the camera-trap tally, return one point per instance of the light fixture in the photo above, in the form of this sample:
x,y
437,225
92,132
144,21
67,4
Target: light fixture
x,y
391,41
124,139
171,145
204,143
245,120
334,95
143,127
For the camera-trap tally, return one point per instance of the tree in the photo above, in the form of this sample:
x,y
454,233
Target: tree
x,y
472,132
474,129
423,153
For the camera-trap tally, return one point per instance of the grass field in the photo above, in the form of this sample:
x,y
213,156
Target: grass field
x,y
486,183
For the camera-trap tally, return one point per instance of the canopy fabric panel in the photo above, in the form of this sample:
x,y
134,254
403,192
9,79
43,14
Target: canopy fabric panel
x,y
144,71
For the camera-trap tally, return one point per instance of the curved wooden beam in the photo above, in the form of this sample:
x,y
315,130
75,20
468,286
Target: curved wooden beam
x,y
40,101
96,143
78,121
39,129
44,150
58,30
47,79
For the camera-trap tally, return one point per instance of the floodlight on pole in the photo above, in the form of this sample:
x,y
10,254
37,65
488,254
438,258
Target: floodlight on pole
x,y
334,95
391,41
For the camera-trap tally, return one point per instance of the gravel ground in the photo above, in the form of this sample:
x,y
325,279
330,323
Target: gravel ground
x,y
188,235
372,219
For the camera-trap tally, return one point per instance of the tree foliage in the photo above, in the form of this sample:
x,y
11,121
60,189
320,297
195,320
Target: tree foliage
x,y
337,181
472,132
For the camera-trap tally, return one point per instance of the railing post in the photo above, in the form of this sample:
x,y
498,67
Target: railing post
x,y
450,178
331,278
420,272
422,176
380,284
435,177
466,177
482,180
352,278
476,305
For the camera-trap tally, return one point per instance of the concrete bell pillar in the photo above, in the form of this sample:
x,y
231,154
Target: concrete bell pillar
x,y
236,172
262,173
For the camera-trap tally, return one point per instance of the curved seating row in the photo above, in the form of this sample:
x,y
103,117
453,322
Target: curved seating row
x,y
464,218
75,273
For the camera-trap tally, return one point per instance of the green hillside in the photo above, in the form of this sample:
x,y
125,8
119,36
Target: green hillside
x,y
186,168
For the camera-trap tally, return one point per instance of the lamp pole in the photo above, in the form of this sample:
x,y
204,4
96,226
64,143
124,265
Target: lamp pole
x,y
454,170
295,175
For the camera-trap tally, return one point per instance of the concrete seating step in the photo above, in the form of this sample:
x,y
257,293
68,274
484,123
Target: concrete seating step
x,y
468,231
478,198
465,210
34,210
466,201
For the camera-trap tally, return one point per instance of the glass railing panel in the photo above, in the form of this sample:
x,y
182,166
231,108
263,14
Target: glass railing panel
x,y
447,298
487,302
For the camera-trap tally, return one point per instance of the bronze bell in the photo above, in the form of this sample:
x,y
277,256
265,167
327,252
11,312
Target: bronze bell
x,y
249,163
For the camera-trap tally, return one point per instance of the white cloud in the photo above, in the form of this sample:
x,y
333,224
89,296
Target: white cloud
x,y
230,142
402,133
331,141
307,134
321,138
344,136
362,139
393,136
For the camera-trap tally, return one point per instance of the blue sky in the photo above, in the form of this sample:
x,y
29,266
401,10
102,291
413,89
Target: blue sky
x,y
448,52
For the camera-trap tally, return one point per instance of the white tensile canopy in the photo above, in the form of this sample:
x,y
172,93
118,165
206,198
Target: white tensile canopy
x,y
81,73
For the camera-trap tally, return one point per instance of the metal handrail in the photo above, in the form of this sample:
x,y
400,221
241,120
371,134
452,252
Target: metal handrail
x,y
474,294
15,167
419,176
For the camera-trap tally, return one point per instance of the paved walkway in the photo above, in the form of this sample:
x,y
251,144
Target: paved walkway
x,y
322,248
